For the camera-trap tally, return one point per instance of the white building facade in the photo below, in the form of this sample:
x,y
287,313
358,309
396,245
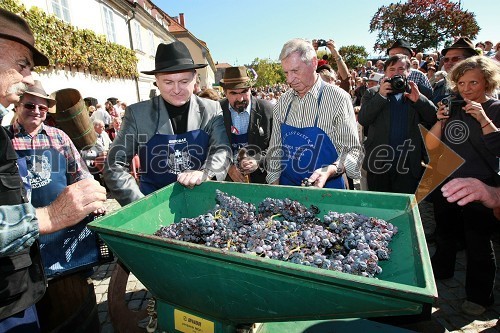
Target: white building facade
x,y
137,25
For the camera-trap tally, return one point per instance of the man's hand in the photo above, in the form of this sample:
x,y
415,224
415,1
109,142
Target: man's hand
x,y
320,176
385,88
248,165
236,175
465,190
71,206
190,178
330,44
414,93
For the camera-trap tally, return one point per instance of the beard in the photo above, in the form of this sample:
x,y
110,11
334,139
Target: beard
x,y
240,106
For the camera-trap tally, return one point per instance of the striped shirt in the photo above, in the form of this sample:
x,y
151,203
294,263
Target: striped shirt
x,y
335,117
51,137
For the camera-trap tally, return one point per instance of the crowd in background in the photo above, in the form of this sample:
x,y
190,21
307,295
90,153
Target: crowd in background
x,y
359,78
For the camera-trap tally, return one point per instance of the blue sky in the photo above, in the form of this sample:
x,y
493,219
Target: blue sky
x,y
238,31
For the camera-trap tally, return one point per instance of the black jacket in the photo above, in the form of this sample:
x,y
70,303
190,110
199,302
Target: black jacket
x,y
22,281
376,115
259,133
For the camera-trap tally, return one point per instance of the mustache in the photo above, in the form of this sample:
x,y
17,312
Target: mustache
x,y
240,106
18,88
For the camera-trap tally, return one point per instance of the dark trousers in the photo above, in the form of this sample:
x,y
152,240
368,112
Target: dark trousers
x,y
474,223
392,181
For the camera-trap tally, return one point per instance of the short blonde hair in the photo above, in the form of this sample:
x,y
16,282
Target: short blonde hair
x,y
488,66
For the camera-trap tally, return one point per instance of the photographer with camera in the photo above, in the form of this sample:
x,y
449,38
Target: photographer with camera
x,y
402,46
469,125
343,71
392,112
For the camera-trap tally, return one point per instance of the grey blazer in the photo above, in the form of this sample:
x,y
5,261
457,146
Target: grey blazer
x,y
143,120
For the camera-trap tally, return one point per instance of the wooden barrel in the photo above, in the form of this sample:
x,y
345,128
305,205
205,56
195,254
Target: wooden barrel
x,y
69,305
73,118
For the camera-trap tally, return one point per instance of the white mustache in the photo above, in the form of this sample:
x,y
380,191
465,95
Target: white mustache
x,y
18,88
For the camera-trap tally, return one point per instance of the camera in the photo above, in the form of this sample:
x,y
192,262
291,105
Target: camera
x,y
321,42
399,84
453,103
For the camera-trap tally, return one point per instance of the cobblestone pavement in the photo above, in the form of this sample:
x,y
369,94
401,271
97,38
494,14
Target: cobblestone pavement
x,y
446,310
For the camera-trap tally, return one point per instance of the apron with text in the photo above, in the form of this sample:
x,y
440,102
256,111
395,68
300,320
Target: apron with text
x,y
238,141
306,150
69,249
167,155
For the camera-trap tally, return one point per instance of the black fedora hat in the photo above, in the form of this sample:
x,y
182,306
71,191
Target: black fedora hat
x,y
15,28
173,57
403,43
461,43
236,78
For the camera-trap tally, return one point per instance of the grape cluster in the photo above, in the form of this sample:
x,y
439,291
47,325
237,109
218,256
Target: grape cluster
x,y
284,229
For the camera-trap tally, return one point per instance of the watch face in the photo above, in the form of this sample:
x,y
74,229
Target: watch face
x,y
210,174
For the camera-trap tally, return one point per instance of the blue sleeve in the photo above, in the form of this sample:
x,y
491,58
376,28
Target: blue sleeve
x,y
18,227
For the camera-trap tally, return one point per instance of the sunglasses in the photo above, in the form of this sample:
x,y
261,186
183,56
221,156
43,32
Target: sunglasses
x,y
31,107
453,59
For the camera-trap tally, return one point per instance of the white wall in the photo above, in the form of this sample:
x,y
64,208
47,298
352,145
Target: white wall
x,y
89,85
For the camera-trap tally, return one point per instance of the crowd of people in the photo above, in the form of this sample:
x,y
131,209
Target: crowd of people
x,y
345,129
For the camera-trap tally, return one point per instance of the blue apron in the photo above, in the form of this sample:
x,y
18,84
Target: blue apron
x,y
167,155
23,172
238,141
305,150
68,249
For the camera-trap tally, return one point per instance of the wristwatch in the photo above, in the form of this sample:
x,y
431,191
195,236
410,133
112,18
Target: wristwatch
x,y
210,174
340,169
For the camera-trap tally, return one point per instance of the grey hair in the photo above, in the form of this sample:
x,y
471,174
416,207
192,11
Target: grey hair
x,y
98,122
441,73
301,46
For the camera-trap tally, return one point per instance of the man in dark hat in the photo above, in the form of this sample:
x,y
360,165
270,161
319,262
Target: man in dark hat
x,y
248,122
402,46
177,135
458,51
23,285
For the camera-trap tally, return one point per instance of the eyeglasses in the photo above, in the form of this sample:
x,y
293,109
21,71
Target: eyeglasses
x,y
453,59
31,107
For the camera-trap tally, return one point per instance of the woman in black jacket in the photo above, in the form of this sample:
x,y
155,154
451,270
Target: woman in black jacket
x,y
468,124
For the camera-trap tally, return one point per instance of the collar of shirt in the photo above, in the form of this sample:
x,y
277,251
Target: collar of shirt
x,y
241,120
19,130
398,96
3,111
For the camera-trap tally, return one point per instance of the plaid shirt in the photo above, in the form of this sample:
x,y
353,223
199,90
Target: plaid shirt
x,y
51,137
422,82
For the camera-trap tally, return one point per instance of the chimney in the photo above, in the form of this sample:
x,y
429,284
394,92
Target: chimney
x,y
181,19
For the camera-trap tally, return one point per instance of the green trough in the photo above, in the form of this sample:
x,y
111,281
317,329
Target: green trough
x,y
234,288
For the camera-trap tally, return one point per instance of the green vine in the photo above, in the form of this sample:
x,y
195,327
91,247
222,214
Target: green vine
x,y
67,46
